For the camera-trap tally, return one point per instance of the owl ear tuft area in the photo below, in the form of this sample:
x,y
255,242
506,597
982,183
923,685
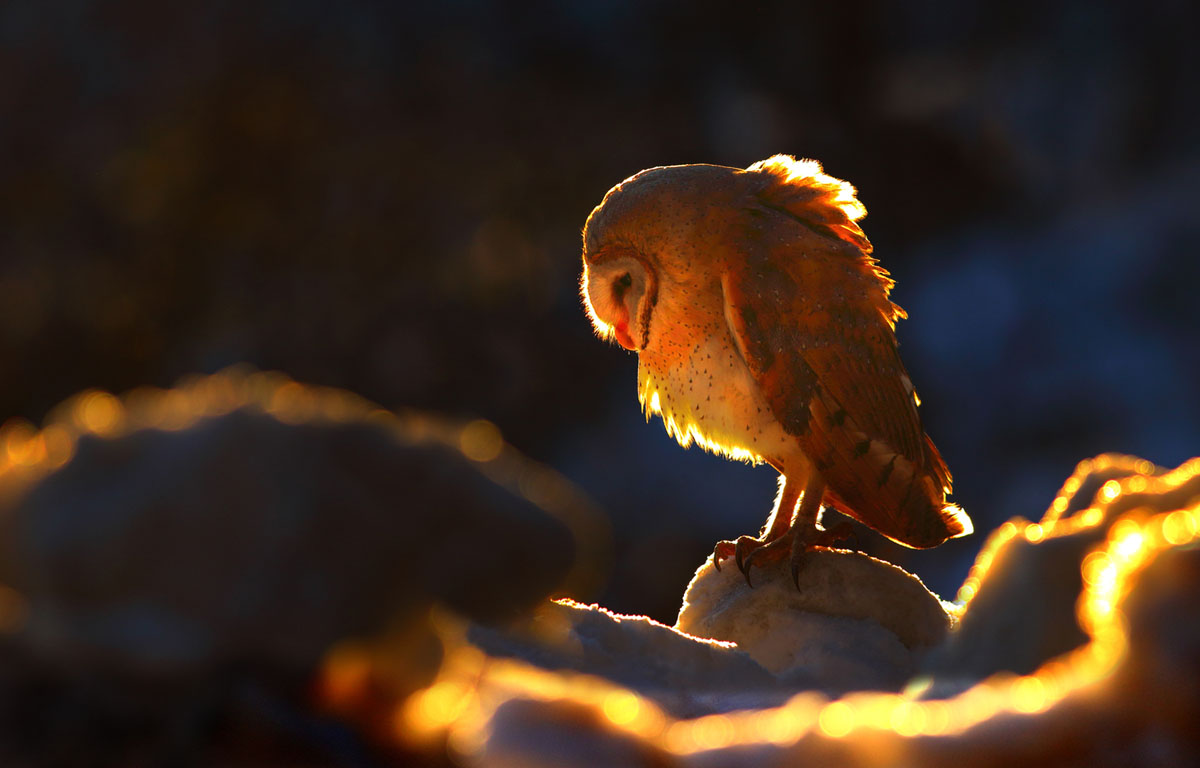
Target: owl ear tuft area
x,y
801,189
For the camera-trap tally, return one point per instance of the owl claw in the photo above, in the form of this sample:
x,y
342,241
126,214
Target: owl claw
x,y
797,564
817,538
751,550
722,550
743,551
748,551
743,554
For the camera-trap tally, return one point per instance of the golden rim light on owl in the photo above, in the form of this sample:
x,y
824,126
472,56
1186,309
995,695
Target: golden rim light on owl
x,y
772,339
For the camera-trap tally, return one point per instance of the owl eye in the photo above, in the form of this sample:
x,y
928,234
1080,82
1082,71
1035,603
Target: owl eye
x,y
622,284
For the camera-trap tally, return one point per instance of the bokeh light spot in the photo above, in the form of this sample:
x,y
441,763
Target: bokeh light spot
x,y
20,444
481,441
60,446
712,732
99,412
836,719
1029,695
1178,527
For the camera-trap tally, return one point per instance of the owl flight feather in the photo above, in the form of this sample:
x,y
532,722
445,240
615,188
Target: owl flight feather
x,y
764,330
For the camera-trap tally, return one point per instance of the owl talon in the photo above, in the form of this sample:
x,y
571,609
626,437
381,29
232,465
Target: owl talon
x,y
743,553
797,565
816,538
759,551
721,551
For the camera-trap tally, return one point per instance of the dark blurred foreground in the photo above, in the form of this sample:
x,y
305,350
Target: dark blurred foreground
x,y
176,567
387,197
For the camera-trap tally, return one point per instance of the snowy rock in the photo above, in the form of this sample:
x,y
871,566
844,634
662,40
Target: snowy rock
x,y
855,622
685,675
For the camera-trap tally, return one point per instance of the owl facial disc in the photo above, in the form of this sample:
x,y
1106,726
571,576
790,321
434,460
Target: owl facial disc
x,y
620,291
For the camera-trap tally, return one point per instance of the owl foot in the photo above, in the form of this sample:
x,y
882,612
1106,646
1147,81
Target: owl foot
x,y
814,538
748,550
721,551
751,551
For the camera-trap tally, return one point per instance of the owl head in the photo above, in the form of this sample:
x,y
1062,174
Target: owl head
x,y
676,224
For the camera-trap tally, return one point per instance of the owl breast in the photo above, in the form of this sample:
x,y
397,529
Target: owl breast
x,y
706,394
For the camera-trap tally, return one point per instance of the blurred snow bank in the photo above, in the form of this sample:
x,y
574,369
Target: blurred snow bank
x,y
183,560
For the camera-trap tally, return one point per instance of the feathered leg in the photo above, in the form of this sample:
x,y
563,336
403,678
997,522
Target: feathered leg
x,y
787,534
776,528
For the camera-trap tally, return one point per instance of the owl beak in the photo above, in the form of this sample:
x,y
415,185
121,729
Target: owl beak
x,y
621,331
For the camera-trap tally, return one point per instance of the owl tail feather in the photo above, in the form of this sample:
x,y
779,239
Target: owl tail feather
x,y
957,522
871,482
922,518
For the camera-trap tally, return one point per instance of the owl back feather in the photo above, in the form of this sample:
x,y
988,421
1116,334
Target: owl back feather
x,y
811,314
801,190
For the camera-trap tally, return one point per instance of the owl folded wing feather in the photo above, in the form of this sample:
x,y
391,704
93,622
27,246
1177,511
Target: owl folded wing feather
x,y
814,330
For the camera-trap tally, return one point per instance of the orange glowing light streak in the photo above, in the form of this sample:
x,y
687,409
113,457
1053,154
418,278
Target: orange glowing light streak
x,y
93,412
481,441
1089,517
20,444
60,446
621,707
99,413
983,561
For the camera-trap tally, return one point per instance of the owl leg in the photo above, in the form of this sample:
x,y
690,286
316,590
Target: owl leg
x,y
803,529
803,534
775,529
806,533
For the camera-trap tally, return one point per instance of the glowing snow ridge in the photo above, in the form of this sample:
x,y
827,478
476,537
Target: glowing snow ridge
x,y
1136,513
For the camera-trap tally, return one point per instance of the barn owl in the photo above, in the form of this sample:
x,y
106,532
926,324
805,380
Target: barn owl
x,y
764,332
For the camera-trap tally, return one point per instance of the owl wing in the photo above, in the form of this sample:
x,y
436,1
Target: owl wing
x,y
816,333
